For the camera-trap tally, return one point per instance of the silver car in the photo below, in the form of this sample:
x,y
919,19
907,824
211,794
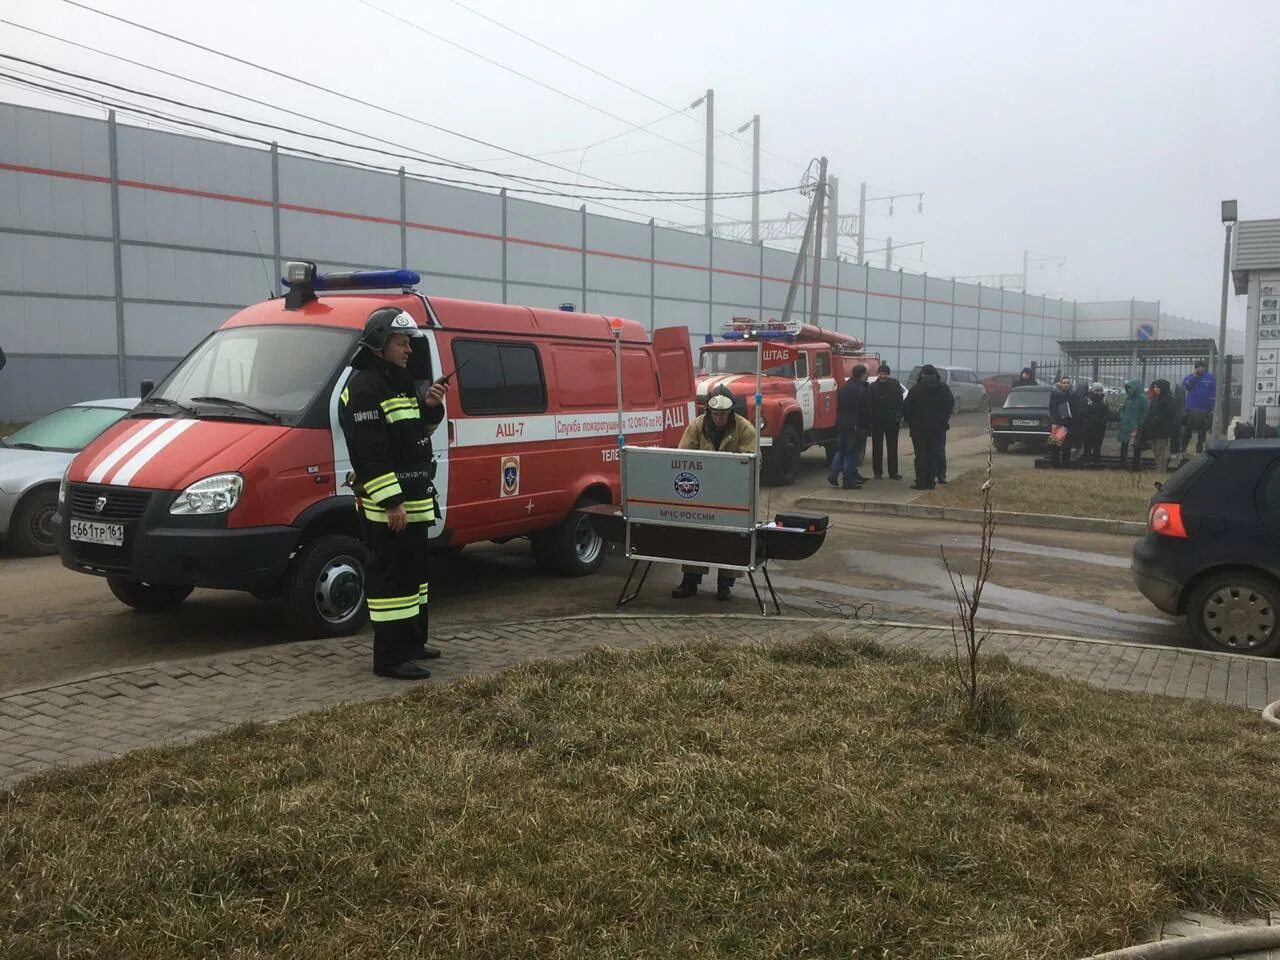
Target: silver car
x,y
966,386
32,462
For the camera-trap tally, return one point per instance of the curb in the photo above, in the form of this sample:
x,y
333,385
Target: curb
x,y
918,511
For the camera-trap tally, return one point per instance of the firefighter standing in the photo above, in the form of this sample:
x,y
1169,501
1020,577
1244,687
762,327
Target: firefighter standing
x,y
720,428
388,432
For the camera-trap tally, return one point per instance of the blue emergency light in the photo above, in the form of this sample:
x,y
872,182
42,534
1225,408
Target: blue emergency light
x,y
758,335
303,281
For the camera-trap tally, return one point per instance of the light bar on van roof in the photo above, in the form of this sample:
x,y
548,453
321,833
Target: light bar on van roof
x,y
303,274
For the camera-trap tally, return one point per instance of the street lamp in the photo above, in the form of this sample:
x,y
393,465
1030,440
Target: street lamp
x,y
1229,217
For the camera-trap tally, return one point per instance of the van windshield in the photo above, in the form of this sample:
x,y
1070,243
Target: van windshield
x,y
276,369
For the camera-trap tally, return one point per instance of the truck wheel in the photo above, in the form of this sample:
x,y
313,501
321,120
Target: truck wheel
x,y
1238,612
31,531
324,588
147,597
571,548
781,463
1002,444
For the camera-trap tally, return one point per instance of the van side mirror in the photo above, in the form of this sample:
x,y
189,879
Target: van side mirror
x,y
145,388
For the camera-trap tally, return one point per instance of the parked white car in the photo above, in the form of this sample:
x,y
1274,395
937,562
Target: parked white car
x,y
966,386
32,462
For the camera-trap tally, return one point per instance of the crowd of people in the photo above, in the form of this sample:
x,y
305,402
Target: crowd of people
x,y
1159,418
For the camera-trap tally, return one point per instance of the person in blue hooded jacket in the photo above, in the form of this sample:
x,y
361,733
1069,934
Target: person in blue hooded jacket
x,y
1132,414
1201,397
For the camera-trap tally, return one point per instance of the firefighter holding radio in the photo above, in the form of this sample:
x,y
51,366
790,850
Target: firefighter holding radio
x,y
388,432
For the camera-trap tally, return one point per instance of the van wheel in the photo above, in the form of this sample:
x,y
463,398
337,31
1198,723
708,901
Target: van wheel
x,y
31,531
324,588
147,597
1237,612
571,548
781,462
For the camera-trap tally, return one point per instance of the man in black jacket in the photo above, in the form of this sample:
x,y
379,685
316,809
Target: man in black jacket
x,y
927,411
1160,427
888,421
388,432
855,409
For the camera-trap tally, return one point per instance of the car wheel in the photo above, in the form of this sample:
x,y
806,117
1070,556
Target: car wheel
x,y
572,548
147,597
781,462
31,530
1001,444
324,588
1237,612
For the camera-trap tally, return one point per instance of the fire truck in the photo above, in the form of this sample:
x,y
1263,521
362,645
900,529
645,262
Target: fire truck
x,y
231,473
798,398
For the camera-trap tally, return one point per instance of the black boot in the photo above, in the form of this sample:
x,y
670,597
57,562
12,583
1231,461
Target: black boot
x,y
688,587
723,590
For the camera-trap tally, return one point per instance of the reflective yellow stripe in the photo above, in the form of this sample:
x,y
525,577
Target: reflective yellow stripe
x,y
378,515
377,483
387,603
422,593
386,616
346,396
381,490
395,416
398,403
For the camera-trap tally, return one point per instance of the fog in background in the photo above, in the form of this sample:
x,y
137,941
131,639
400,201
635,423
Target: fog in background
x,y
1104,134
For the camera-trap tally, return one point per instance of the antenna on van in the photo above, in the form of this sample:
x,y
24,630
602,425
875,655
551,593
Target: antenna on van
x,y
271,293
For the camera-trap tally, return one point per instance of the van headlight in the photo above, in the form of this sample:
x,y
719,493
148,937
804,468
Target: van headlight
x,y
216,494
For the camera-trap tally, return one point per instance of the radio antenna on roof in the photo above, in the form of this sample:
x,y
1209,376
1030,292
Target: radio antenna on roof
x,y
271,293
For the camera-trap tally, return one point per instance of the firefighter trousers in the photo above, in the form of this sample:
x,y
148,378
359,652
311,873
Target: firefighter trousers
x,y
396,582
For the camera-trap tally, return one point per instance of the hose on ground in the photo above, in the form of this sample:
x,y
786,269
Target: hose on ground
x,y
1209,946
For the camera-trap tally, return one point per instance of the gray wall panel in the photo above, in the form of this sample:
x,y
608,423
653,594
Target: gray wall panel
x,y
338,239
619,305
157,330
333,187
882,308
459,288
965,339
937,314
34,386
912,310
442,252
965,316
613,273
911,335
39,138
56,265
137,369
990,319
675,313
439,205
166,159
882,281
989,341
539,264
56,325
611,235
881,334
736,278
156,217
937,338
967,294
549,297
162,273
32,202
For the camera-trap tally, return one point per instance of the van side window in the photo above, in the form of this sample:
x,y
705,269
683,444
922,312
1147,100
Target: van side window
x,y
499,377
822,365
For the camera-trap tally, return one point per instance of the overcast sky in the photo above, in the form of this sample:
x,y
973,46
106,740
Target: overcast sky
x,y
1099,136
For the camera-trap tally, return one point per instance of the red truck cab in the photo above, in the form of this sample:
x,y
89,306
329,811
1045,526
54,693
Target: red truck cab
x,y
798,399
231,473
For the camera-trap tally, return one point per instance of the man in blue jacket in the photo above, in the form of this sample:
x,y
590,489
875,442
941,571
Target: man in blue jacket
x,y
1201,395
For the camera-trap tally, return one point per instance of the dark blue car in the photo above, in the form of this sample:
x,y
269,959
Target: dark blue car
x,y
1212,550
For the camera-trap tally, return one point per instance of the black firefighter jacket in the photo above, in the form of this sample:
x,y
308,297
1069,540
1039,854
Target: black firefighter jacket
x,y
388,432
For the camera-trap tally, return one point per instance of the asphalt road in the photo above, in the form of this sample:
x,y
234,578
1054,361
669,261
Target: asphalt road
x,y
55,624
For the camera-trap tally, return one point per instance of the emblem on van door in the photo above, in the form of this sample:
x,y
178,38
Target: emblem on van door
x,y
510,476
100,504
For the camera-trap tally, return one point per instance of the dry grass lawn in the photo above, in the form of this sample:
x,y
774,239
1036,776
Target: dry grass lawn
x,y
811,800
1104,494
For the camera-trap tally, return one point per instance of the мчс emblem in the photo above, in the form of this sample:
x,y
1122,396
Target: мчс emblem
x,y
687,486
100,504
510,476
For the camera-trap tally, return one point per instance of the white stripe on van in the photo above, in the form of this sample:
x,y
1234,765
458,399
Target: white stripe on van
x,y
144,456
124,448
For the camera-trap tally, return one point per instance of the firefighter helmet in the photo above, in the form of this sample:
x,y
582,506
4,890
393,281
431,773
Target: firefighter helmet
x,y
385,321
720,399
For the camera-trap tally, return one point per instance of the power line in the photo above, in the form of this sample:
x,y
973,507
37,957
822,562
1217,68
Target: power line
x,y
590,69
332,92
135,109
435,160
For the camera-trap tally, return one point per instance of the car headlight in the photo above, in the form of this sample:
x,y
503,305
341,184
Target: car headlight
x,y
216,494
62,486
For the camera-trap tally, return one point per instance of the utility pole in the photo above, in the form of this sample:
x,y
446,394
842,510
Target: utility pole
x,y
755,178
888,253
833,216
711,159
1220,400
819,198
862,224
1026,255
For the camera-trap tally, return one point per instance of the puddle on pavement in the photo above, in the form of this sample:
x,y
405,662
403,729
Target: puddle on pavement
x,y
1004,545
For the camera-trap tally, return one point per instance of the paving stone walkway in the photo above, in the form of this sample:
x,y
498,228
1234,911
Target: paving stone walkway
x,y
111,713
